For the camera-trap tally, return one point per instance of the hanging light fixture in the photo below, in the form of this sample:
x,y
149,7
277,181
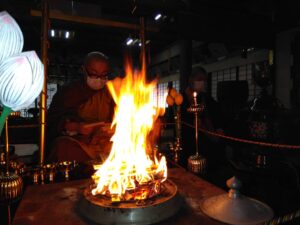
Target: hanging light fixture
x,y
67,34
11,37
61,34
129,41
52,33
157,16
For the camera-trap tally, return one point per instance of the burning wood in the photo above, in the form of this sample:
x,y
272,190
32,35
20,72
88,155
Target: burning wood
x,y
130,173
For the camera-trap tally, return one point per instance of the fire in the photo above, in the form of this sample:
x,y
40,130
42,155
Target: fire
x,y
131,171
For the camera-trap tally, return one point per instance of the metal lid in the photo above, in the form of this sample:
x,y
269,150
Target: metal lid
x,y
235,208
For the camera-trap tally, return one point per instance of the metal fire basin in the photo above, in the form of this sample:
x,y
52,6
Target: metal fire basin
x,y
100,210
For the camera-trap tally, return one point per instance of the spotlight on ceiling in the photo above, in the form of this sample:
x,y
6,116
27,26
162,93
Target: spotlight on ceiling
x,y
129,41
52,33
57,34
157,16
67,34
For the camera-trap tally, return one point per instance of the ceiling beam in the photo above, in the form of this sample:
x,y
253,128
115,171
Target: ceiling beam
x,y
92,21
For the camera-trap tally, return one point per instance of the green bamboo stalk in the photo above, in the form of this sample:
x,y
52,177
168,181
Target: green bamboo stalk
x,y
5,113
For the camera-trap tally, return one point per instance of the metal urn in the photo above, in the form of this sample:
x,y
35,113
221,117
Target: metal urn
x,y
235,208
11,184
196,163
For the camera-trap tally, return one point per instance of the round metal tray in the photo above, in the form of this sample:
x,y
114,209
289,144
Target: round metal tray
x,y
99,210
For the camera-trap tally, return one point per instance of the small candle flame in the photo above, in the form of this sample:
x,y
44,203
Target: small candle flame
x,y
195,97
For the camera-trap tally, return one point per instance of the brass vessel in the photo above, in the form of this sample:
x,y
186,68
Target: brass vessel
x,y
11,186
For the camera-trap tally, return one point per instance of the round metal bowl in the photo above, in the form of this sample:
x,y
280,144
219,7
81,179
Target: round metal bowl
x,y
100,210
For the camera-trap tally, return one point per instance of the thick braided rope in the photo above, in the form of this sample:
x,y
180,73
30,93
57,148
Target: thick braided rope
x,y
265,144
283,219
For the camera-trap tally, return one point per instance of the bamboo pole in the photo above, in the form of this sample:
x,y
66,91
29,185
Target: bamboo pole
x,y
45,25
7,146
143,45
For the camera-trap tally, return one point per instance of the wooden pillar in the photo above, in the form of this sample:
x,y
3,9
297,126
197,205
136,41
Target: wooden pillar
x,y
43,97
143,45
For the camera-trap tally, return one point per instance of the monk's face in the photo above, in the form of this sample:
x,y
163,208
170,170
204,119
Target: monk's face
x,y
96,71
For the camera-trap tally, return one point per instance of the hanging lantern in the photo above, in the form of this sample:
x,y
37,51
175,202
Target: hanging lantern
x,y
11,37
21,81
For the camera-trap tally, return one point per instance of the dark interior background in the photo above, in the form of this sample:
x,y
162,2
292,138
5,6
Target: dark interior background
x,y
235,24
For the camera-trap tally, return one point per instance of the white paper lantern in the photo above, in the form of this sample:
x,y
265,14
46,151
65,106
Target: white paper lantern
x,y
21,80
11,37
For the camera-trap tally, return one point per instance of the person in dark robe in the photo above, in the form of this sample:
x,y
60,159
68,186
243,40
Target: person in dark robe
x,y
79,117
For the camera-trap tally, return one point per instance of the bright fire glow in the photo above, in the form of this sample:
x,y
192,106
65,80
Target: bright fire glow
x,y
131,163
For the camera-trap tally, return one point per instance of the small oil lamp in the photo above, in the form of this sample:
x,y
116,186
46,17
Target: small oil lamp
x,y
65,168
196,163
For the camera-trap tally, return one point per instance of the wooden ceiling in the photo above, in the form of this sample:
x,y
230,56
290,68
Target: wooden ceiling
x,y
234,23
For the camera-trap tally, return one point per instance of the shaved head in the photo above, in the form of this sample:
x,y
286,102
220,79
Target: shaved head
x,y
95,56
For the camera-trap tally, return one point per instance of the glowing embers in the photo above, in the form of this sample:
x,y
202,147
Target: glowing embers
x,y
101,210
132,187
131,171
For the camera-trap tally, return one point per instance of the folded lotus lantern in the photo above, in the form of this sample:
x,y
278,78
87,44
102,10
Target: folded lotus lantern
x,y
21,81
11,37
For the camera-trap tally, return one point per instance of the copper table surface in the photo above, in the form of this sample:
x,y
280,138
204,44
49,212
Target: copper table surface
x,y
56,203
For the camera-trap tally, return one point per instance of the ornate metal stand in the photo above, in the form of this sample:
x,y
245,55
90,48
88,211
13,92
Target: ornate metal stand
x,y
176,147
11,184
196,163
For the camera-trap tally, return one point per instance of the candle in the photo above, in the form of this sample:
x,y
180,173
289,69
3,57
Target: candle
x,y
195,97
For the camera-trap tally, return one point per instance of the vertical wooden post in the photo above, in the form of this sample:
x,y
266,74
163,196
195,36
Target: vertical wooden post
x,y
143,45
7,146
43,97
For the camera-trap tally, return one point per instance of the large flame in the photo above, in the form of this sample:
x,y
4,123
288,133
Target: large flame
x,y
131,163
